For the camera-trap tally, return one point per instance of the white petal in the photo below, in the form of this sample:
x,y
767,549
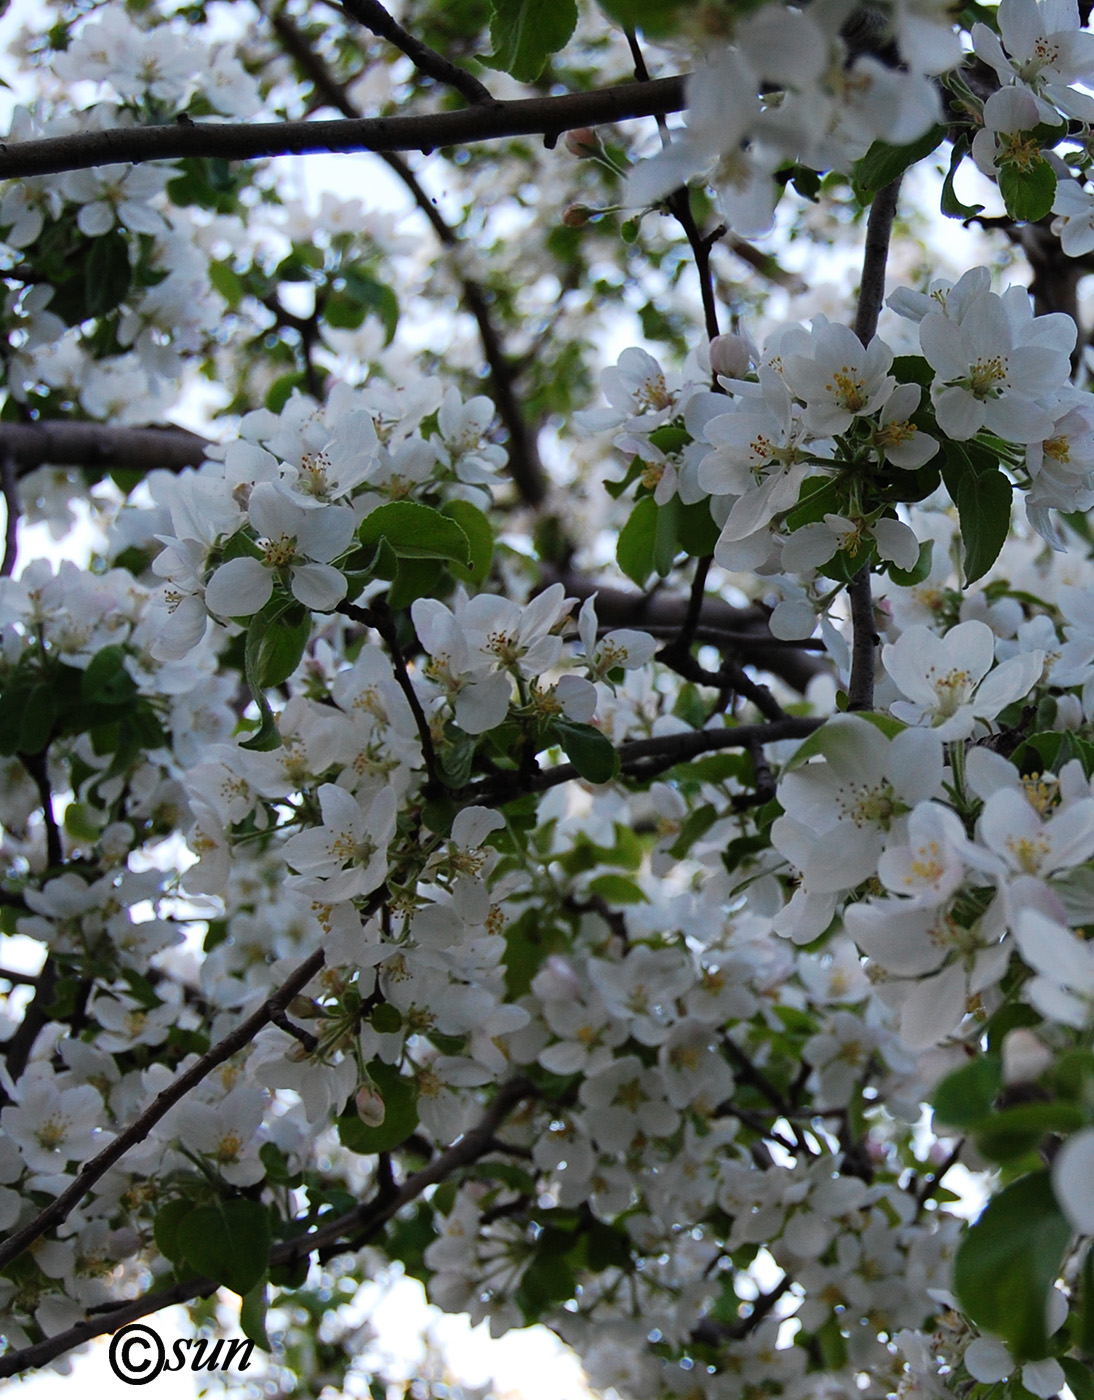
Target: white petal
x,y
239,588
319,586
1073,1180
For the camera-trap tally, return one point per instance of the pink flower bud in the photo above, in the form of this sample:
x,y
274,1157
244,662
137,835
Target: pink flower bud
x,y
582,142
370,1106
729,355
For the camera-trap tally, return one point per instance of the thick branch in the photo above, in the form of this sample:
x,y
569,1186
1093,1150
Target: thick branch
x,y
428,61
544,116
879,230
142,1125
64,444
365,1220
745,629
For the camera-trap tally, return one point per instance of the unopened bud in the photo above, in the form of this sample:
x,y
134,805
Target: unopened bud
x,y
304,1008
577,215
1025,1057
582,142
370,1106
730,355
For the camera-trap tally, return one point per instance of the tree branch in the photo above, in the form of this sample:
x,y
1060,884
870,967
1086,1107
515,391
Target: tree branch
x,y
544,116
59,443
369,1217
142,1125
879,230
428,61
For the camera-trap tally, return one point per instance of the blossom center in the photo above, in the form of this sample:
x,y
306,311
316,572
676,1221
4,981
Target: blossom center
x,y
279,553
848,389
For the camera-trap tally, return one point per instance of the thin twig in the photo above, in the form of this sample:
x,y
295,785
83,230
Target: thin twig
x,y
379,616
679,205
10,486
542,116
428,61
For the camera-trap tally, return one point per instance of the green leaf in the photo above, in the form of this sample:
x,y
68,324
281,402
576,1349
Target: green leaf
x,y
635,546
1013,1132
106,681
276,644
525,32
373,297
415,531
950,205
696,532
617,889
414,578
165,1227
229,1241
908,578
651,16
480,541
983,501
1009,1260
1078,1376
882,163
227,282
590,751
1028,191
107,273
252,1316
967,1095
400,1096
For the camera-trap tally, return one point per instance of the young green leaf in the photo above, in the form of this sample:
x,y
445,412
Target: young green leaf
x,y
526,32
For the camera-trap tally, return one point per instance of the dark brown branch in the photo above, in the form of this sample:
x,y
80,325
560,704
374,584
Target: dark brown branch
x,y
860,687
9,485
645,758
879,230
428,61
102,445
745,627
364,1220
543,116
139,1129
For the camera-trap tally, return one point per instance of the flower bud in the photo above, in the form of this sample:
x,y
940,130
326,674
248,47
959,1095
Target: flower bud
x,y
576,215
1025,1057
304,1008
370,1106
730,355
582,142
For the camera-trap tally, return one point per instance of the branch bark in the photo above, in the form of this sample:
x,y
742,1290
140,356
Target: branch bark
x,y
71,444
543,116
